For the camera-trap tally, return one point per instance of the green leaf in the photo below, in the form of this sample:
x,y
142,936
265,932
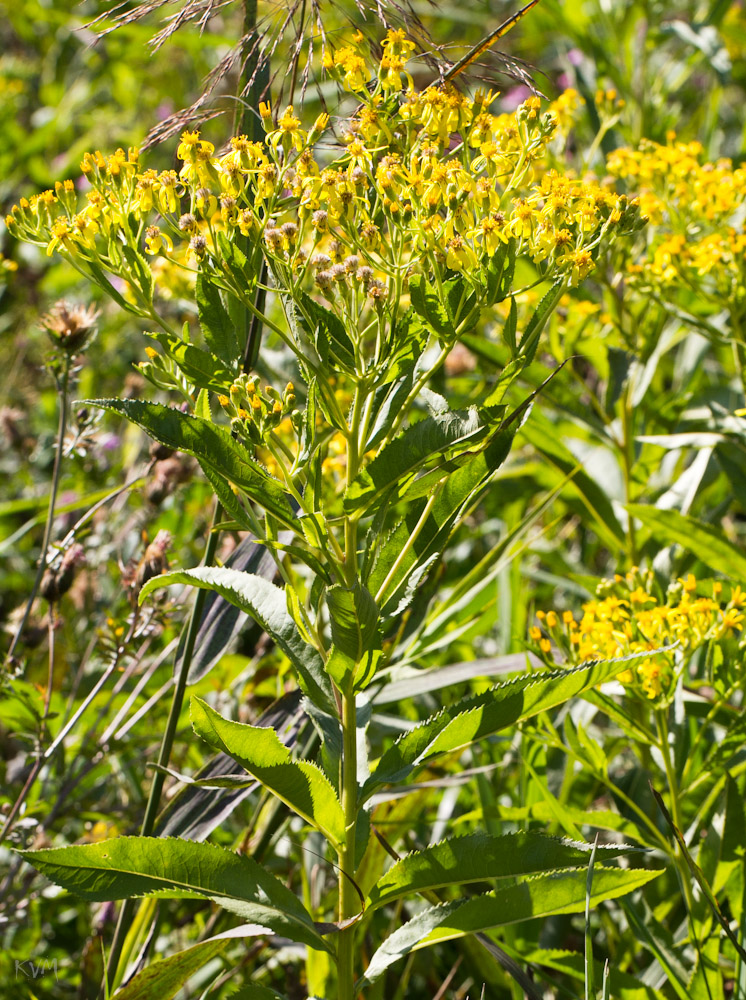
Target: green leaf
x,y
211,444
267,605
541,896
426,302
704,541
409,338
479,856
164,978
532,333
140,270
413,548
354,620
472,719
327,332
543,436
171,868
230,502
217,327
301,784
254,992
434,436
511,326
201,368
571,963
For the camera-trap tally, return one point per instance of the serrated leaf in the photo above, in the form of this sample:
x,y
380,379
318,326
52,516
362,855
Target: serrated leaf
x,y
301,784
532,333
354,620
541,896
704,541
165,977
326,330
427,304
171,868
202,368
221,620
479,856
212,445
434,436
217,327
472,719
267,605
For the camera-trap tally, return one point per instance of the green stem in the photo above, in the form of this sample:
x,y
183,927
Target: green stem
x,y
154,797
348,901
628,461
674,796
63,389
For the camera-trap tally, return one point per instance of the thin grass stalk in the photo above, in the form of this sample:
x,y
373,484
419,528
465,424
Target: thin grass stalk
x,y
63,391
154,797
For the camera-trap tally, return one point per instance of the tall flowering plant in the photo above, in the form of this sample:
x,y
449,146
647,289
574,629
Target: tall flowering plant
x,y
366,248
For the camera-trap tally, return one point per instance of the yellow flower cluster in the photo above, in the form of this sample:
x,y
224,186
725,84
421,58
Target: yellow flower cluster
x,y
423,180
629,617
697,209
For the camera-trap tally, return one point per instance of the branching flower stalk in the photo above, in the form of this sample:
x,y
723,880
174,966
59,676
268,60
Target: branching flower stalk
x,y
369,261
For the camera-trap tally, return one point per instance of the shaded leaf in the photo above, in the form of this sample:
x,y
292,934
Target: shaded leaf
x,y
472,719
543,895
211,444
217,327
479,856
165,977
300,784
704,541
267,605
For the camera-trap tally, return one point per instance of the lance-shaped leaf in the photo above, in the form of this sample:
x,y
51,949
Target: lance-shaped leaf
x,y
540,896
300,784
542,435
417,541
164,978
212,445
434,436
266,604
479,856
472,719
171,868
539,317
219,332
703,540
201,367
354,620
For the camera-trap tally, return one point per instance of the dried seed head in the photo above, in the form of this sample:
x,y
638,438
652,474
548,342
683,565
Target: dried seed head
x,y
187,223
325,279
154,561
57,582
70,326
